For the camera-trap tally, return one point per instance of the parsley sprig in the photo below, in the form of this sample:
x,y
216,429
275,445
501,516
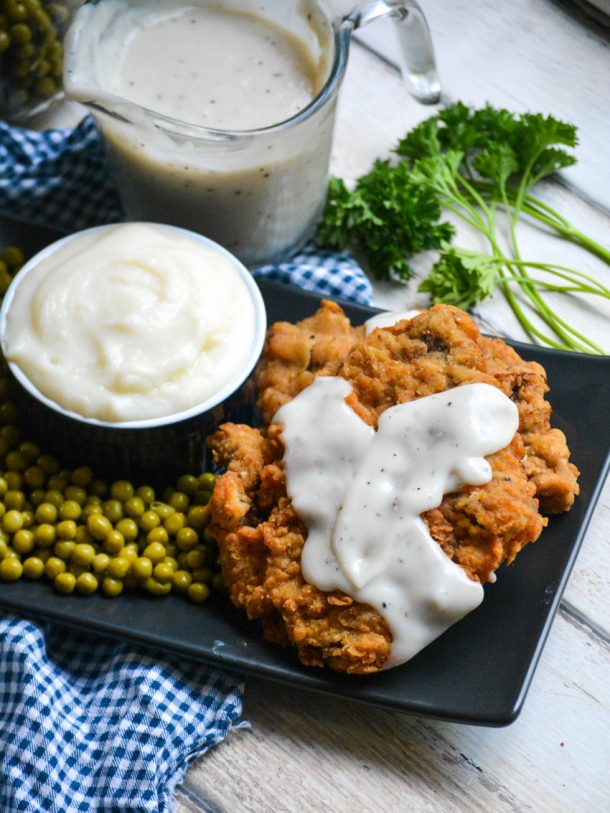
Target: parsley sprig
x,y
391,215
474,163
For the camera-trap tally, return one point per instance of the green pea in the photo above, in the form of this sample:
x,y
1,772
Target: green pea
x,y
75,493
46,512
134,507
129,554
44,535
198,516
48,464
113,510
70,509
83,554
66,529
14,480
65,583
82,476
33,567
47,86
53,567
12,521
207,480
156,588
83,537
149,520
114,542
16,11
11,434
119,567
10,569
34,477
98,526
64,548
158,535
181,580
155,552
98,488
100,562
203,574
142,568
198,592
90,509
86,583
112,587
121,490
196,558
128,528
187,539
23,541
174,523
43,68
179,501
146,494
57,482
14,499
54,496
162,509
8,410
163,573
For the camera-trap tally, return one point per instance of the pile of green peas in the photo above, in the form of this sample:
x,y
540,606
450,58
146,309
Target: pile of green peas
x,y
31,51
83,534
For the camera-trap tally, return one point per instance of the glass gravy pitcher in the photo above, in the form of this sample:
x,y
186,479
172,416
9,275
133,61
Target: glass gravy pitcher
x,y
258,192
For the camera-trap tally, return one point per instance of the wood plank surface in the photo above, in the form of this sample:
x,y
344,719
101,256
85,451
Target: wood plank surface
x,y
309,752
314,753
538,55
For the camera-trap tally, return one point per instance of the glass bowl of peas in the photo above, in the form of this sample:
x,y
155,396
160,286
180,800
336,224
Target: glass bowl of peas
x,y
31,54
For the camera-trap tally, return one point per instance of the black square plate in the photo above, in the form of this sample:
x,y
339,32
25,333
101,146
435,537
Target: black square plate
x,y
479,671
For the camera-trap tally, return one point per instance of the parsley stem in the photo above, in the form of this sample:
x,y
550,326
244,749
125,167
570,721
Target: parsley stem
x,y
571,233
562,271
528,326
566,273
530,200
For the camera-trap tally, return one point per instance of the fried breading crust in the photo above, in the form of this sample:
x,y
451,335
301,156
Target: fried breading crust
x,y
479,527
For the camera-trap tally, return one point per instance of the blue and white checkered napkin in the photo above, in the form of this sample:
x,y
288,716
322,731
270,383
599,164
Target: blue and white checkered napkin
x,y
88,724
91,725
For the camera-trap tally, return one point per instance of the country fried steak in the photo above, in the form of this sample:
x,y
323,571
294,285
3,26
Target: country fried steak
x,y
479,527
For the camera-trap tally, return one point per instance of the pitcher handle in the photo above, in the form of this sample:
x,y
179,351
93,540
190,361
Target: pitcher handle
x,y
417,62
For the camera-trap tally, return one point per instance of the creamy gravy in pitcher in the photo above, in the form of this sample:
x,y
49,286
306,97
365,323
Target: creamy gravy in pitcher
x,y
205,65
211,67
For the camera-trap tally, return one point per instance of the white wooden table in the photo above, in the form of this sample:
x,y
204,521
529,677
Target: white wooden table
x,y
304,752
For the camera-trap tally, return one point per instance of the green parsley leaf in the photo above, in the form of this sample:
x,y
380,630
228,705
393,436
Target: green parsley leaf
x,y
461,277
388,217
